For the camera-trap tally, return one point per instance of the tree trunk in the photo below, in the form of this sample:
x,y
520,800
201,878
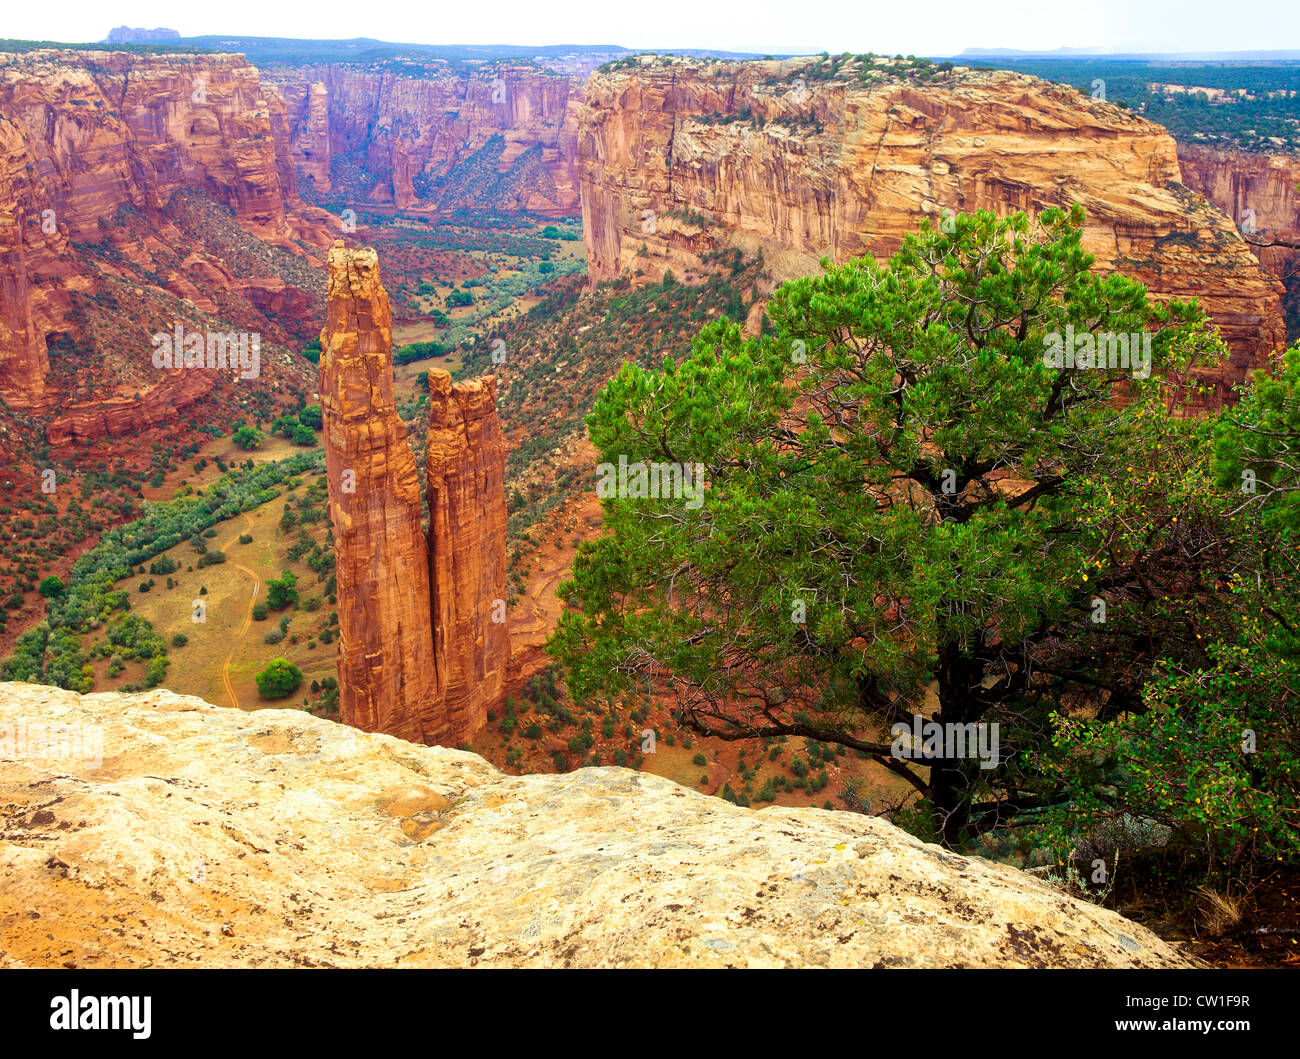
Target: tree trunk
x,y
950,778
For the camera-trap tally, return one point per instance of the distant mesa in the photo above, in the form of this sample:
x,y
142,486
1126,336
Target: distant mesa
x,y
127,35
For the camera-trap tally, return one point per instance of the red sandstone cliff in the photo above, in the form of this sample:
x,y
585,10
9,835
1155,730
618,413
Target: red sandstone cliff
x,y
106,129
1259,190
419,654
24,360
503,138
748,155
86,133
307,112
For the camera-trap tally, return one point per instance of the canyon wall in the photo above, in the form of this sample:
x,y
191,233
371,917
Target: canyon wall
x,y
84,134
216,837
503,140
420,655
26,306
1256,190
679,158
110,129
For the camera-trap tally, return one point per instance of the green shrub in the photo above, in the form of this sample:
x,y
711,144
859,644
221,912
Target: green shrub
x,y
155,671
247,437
281,593
279,679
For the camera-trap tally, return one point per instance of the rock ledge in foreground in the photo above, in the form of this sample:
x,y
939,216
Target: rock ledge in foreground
x,y
214,837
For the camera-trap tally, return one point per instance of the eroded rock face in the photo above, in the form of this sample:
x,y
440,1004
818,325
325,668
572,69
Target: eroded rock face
x,y
1259,191
24,353
840,169
85,133
467,532
115,417
223,838
107,129
504,141
307,111
420,654
388,678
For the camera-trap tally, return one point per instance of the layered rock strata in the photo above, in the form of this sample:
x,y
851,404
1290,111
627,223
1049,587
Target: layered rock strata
x,y
681,158
86,133
420,655
1261,192
503,139
214,837
388,679
121,416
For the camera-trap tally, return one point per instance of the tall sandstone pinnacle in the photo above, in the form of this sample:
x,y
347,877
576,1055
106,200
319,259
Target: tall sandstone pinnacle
x,y
419,654
388,681
467,532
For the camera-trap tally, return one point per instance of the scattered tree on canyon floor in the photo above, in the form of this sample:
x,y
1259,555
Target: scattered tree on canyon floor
x,y
280,678
903,496
247,438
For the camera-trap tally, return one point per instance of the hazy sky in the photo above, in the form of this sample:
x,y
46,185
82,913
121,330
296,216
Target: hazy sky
x,y
930,27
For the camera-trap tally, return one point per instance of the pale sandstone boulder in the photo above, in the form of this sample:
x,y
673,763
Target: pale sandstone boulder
x,y
215,837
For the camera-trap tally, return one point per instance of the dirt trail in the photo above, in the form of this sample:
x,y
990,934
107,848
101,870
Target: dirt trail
x,y
248,617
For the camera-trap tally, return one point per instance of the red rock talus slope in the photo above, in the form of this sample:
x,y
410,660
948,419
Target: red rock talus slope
x,y
419,654
467,532
408,139
84,134
749,155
